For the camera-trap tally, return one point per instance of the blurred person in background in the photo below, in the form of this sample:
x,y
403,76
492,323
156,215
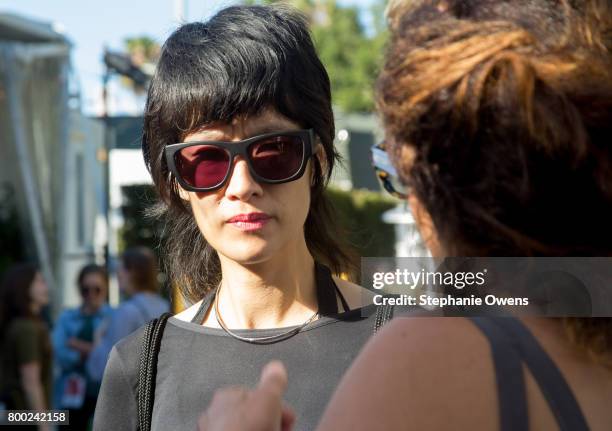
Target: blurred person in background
x,y
498,119
26,355
137,277
73,341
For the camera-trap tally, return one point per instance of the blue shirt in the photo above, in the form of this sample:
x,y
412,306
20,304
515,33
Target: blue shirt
x,y
129,316
70,324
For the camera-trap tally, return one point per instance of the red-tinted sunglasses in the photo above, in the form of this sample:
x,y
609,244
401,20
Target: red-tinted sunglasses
x,y
272,158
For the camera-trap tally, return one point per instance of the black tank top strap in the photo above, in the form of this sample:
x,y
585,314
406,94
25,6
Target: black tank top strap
x,y
326,290
345,306
199,317
508,375
553,385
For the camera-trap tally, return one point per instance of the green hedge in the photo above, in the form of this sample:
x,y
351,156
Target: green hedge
x,y
360,211
137,229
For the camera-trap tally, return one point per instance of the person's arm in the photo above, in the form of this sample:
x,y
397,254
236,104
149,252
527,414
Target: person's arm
x,y
121,324
29,359
66,356
32,386
84,348
116,408
33,389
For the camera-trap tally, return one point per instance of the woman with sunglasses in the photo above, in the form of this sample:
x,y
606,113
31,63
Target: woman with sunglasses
x,y
238,137
73,341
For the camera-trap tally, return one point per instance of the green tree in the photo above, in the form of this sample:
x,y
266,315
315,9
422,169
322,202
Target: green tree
x,y
351,53
144,53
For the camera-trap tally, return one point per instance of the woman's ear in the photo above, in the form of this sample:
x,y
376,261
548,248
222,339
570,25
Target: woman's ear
x,y
183,194
322,159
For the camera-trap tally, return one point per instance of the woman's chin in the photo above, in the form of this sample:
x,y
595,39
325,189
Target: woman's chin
x,y
251,254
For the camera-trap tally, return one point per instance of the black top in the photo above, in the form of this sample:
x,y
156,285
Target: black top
x,y
195,360
512,345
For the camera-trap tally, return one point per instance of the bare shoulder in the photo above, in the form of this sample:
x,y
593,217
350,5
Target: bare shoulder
x,y
356,295
189,313
433,341
414,367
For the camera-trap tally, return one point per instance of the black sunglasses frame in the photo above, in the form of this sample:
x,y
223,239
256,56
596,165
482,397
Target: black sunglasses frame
x,y
384,170
240,148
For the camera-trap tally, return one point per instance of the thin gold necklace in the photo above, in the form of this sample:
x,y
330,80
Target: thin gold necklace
x,y
258,340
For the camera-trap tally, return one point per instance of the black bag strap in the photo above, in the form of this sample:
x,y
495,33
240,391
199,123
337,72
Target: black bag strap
x,y
147,369
384,313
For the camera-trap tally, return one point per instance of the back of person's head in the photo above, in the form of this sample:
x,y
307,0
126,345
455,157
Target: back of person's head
x,y
244,60
15,293
140,264
499,116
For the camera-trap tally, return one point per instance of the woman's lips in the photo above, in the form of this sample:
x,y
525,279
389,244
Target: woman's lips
x,y
250,221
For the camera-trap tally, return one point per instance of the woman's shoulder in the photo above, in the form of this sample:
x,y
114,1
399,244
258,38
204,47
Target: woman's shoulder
x,y
431,339
421,365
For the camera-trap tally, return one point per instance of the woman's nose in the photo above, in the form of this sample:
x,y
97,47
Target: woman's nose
x,y
241,185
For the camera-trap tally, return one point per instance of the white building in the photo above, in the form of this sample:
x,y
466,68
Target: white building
x,y
51,157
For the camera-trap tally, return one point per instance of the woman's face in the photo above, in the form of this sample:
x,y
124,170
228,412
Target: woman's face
x,y
39,292
246,221
93,290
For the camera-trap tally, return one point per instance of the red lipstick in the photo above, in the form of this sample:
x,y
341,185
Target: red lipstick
x,y
249,222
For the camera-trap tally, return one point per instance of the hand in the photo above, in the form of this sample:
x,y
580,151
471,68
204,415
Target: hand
x,y
261,409
83,347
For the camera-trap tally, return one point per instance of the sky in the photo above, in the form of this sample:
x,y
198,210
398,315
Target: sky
x,y
91,26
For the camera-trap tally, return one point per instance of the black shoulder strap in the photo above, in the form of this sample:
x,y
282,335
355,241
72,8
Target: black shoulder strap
x,y
508,375
384,313
326,293
345,306
553,385
147,369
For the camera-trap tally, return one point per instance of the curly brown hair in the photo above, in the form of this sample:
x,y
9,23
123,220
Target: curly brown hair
x,y
507,109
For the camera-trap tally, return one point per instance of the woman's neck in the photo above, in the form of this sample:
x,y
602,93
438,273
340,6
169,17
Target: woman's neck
x,y
275,293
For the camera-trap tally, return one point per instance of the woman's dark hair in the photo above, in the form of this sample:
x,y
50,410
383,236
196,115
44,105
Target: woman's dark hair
x,y
15,294
141,265
243,60
92,268
506,111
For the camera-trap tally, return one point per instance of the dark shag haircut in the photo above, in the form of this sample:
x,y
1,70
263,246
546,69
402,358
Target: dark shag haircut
x,y
505,108
244,60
